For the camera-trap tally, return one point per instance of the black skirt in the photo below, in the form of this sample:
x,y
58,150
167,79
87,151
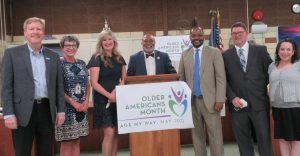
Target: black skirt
x,y
286,123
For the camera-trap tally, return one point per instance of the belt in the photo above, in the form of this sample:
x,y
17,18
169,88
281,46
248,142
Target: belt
x,y
40,101
200,96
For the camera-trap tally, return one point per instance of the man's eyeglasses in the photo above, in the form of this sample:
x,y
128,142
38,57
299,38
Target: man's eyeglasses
x,y
237,33
70,46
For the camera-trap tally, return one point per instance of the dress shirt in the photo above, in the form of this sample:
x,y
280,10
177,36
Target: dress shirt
x,y
39,73
200,54
150,65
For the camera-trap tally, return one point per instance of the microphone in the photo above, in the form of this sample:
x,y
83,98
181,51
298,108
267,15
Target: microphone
x,y
107,105
1,111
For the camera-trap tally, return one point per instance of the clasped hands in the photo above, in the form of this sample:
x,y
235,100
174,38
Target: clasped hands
x,y
237,103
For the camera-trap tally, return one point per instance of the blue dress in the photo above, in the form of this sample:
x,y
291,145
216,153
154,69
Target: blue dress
x,y
108,78
75,75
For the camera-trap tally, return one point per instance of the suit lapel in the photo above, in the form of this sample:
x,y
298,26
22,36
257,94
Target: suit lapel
x,y
141,63
48,60
203,59
236,59
26,57
157,58
190,59
251,56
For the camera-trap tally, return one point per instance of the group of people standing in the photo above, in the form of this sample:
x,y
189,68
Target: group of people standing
x,y
46,97
244,88
249,71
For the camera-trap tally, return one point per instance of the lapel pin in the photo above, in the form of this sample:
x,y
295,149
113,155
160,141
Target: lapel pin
x,y
158,57
48,58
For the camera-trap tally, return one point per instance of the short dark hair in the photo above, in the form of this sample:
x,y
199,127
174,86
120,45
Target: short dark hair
x,y
69,39
239,24
295,56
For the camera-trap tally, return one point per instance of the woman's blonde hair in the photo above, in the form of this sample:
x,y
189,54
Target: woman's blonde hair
x,y
100,51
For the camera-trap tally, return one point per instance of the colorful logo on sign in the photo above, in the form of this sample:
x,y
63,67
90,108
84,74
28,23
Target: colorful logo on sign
x,y
179,105
185,44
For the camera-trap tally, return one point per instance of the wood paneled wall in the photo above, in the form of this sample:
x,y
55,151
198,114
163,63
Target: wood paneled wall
x,y
87,16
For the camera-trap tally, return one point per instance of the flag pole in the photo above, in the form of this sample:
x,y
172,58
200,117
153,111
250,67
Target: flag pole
x,y
212,14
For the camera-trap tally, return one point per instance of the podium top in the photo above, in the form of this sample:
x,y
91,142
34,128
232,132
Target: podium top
x,y
151,78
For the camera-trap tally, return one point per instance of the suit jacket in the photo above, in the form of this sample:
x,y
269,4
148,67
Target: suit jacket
x,y
252,84
18,84
137,64
212,74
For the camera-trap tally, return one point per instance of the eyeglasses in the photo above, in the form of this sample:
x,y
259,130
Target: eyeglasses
x,y
70,46
237,33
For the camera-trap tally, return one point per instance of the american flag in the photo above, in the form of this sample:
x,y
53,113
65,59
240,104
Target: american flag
x,y
215,40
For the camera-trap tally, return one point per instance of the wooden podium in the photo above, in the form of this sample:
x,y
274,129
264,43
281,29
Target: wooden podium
x,y
154,143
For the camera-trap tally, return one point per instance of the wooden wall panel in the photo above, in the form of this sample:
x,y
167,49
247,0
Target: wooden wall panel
x,y
87,16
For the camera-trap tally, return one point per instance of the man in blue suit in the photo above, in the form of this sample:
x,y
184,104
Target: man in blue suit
x,y
149,61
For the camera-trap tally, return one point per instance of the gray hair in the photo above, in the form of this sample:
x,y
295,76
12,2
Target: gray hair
x,y
69,39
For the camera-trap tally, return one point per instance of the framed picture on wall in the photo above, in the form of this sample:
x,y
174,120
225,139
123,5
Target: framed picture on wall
x,y
292,32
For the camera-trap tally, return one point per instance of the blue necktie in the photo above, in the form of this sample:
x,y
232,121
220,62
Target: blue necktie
x,y
242,59
196,86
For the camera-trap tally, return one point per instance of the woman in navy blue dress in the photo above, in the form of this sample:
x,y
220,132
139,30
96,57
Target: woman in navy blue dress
x,y
77,93
107,69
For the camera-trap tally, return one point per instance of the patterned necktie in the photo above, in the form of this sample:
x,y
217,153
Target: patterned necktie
x,y
242,59
196,86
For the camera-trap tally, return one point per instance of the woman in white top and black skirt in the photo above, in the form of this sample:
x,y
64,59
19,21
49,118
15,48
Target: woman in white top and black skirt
x,y
284,76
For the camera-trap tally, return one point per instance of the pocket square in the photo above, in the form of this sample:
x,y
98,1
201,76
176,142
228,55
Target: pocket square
x,y
47,58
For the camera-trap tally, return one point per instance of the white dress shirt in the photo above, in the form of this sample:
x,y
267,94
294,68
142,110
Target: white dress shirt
x,y
39,73
245,47
150,64
200,53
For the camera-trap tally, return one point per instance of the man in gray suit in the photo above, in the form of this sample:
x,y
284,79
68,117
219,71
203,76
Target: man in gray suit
x,y
202,68
32,92
247,79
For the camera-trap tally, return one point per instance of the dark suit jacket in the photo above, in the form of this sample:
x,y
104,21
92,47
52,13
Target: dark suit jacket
x,y
137,64
252,84
18,85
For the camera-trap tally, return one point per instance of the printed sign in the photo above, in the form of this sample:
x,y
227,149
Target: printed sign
x,y
173,45
154,106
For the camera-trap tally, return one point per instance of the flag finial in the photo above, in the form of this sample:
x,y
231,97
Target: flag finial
x,y
106,28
